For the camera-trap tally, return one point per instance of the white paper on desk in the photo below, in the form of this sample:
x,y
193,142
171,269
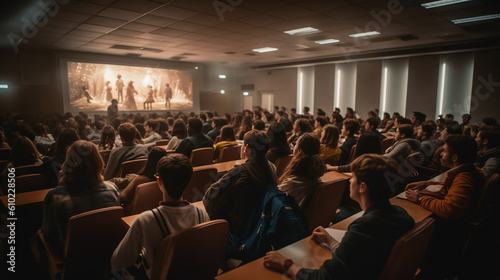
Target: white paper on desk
x,y
402,195
432,188
337,234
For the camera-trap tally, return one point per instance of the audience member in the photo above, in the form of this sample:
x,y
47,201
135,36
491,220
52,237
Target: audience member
x,y
368,242
329,148
453,205
427,146
207,125
488,143
217,124
152,135
278,146
371,125
416,121
196,138
319,123
23,153
303,174
300,127
147,174
227,139
349,129
173,215
246,126
82,189
108,139
234,196
260,125
404,145
179,133
128,151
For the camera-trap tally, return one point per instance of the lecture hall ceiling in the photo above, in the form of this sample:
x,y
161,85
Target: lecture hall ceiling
x,y
228,30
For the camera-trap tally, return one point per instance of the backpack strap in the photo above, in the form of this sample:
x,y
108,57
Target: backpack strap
x,y
199,215
165,232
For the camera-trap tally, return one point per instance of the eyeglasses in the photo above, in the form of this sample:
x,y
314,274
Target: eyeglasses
x,y
156,175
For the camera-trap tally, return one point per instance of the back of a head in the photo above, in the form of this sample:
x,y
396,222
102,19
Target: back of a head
x,y
491,134
23,151
195,126
277,134
304,125
83,165
179,129
352,126
67,137
406,129
453,127
308,144
374,122
490,121
464,146
175,171
259,125
322,120
227,133
375,171
428,127
368,143
420,116
404,121
154,156
217,122
331,136
258,142
127,132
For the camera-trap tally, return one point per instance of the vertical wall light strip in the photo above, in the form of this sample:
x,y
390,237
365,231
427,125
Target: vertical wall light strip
x,y
384,90
337,100
300,92
441,90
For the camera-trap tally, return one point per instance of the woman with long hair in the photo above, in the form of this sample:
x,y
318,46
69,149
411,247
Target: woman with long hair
x,y
300,127
179,133
143,176
303,173
108,136
246,126
82,188
279,146
329,150
24,152
227,139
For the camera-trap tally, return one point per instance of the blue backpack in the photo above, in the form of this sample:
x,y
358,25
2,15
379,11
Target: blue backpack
x,y
273,224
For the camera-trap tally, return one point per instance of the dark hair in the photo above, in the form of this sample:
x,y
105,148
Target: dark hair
x,y
352,126
404,121
453,127
307,161
175,171
322,120
64,140
179,129
83,165
163,129
154,156
331,136
23,152
303,125
107,137
491,134
195,126
368,143
464,146
375,171
420,116
259,125
277,134
490,121
375,122
406,129
127,132
429,127
153,124
246,124
217,122
258,142
227,133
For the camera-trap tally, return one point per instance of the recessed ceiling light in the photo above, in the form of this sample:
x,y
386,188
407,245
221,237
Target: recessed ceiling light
x,y
4,86
365,34
245,93
326,41
474,19
441,3
222,76
266,49
301,31
222,91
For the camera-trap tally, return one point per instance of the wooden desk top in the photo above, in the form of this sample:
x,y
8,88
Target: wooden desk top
x,y
221,166
27,198
307,253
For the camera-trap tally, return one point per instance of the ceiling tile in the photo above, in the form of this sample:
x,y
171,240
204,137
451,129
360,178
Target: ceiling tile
x,y
204,19
142,6
234,26
289,12
197,5
94,28
259,19
155,20
346,12
174,12
85,34
168,31
119,14
212,31
125,32
103,21
139,27
186,26
82,7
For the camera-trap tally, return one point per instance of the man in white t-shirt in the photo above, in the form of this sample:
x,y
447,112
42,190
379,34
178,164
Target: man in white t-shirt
x,y
173,215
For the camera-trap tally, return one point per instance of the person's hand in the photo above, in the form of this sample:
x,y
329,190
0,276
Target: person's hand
x,y
418,186
275,261
332,168
321,236
412,195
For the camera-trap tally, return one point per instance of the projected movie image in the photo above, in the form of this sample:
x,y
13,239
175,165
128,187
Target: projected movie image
x,y
92,86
